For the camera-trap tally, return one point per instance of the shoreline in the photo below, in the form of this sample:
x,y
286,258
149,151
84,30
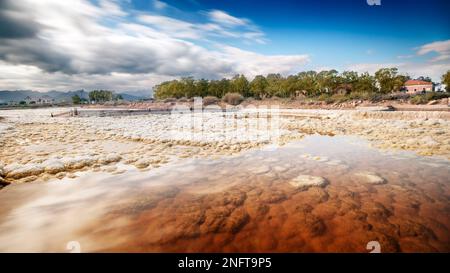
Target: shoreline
x,y
331,181
166,105
150,141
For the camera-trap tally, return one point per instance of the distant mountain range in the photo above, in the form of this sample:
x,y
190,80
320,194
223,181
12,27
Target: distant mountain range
x,y
20,95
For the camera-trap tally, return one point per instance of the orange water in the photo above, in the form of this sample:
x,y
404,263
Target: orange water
x,y
242,203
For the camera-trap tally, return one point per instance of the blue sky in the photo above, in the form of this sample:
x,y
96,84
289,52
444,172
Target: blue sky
x,y
336,33
134,44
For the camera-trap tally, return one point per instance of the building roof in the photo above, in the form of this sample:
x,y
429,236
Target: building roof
x,y
417,82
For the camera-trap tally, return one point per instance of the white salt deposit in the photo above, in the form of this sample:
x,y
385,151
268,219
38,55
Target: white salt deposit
x,y
24,171
303,182
371,178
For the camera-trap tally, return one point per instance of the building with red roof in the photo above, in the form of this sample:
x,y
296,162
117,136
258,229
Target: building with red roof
x,y
414,86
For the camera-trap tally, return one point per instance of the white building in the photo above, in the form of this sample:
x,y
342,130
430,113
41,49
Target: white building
x,y
440,87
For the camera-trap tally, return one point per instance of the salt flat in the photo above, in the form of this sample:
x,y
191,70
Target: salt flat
x,y
36,146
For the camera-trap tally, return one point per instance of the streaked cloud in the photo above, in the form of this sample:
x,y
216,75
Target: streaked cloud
x,y
82,44
441,48
257,64
159,5
413,69
224,18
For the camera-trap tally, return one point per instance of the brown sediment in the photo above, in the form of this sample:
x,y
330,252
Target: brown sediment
x,y
228,196
244,203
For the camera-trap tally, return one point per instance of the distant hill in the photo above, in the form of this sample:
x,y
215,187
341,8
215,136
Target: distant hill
x,y
58,96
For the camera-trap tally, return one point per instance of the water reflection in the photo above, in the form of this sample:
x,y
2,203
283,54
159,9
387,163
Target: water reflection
x,y
241,203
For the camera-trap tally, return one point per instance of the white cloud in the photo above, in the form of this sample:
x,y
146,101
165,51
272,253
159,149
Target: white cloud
x,y
250,31
434,67
252,64
224,18
414,70
17,77
112,7
159,5
176,28
405,56
441,48
78,44
371,67
187,30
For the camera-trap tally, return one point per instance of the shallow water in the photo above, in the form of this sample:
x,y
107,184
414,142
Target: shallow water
x,y
241,203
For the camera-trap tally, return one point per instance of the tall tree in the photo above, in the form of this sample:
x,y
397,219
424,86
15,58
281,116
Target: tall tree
x,y
446,80
240,84
365,83
258,87
426,79
273,84
389,80
101,95
201,88
327,81
76,99
307,82
288,87
187,87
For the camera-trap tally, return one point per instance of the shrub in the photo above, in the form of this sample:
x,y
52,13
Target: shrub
x,y
233,98
339,98
324,97
170,100
418,99
396,96
425,98
370,96
208,100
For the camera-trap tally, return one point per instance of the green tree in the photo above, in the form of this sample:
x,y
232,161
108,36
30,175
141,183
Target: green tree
x,y
201,88
186,88
240,84
76,99
101,95
365,83
327,81
389,80
273,84
446,80
288,86
425,79
218,88
225,86
350,77
307,82
258,87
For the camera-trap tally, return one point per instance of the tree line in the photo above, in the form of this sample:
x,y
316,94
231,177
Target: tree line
x,y
307,83
97,96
